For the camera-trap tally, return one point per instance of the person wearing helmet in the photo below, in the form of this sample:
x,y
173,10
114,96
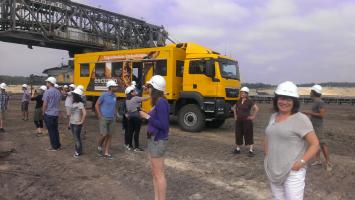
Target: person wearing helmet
x,y
316,115
68,102
25,101
77,118
4,100
245,111
134,123
157,132
38,115
106,111
51,109
289,143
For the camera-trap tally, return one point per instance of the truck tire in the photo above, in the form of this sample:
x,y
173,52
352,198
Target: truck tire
x,y
191,118
215,124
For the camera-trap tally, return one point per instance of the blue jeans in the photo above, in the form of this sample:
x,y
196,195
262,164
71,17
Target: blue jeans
x,y
52,126
76,130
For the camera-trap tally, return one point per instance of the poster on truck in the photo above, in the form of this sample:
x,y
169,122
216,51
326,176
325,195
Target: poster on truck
x,y
120,69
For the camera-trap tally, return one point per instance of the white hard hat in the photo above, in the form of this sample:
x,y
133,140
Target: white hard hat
x,y
245,89
317,88
78,91
72,85
134,83
51,80
80,87
287,89
56,85
111,83
24,85
3,86
43,87
129,89
158,82
65,86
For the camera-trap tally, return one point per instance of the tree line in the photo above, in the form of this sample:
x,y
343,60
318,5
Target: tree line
x,y
325,84
19,80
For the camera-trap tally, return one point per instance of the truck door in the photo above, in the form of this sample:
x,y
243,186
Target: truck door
x,y
198,77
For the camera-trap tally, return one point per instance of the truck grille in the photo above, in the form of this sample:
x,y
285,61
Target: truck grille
x,y
232,92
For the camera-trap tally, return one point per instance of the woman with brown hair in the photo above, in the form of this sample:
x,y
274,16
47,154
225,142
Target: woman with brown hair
x,y
244,113
290,142
158,130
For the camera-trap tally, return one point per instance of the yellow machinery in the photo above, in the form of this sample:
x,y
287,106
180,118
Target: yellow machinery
x,y
201,84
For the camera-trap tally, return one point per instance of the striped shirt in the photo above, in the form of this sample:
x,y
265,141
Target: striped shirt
x,y
25,96
52,97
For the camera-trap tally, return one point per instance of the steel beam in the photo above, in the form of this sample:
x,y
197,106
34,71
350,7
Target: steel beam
x,y
65,24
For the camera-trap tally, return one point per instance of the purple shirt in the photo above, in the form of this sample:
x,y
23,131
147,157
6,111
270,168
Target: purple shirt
x,y
158,123
52,96
25,96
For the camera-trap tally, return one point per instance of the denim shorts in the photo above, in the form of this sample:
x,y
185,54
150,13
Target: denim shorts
x,y
158,148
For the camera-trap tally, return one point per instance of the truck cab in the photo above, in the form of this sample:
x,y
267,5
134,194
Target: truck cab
x,y
211,85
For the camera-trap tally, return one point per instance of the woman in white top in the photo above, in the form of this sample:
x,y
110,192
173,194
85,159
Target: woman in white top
x,y
290,142
77,118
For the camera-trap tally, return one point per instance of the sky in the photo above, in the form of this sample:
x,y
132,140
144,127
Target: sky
x,y
274,40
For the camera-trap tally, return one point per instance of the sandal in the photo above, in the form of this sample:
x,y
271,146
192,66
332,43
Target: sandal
x,y
315,163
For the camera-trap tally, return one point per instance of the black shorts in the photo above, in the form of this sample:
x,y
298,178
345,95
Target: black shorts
x,y
244,132
24,106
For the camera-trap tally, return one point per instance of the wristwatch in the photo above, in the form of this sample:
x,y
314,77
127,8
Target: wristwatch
x,y
303,162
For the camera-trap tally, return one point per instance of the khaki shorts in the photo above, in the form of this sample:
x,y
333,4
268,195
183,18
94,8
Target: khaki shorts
x,y
320,134
107,126
2,115
157,149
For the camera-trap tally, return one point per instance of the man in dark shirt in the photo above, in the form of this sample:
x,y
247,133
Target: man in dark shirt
x,y
317,114
38,115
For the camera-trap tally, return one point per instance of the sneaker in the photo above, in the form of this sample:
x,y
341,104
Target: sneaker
x,y
251,154
329,167
138,149
76,155
128,148
236,151
109,157
99,152
51,149
315,163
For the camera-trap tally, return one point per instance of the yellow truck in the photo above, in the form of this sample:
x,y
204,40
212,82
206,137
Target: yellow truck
x,y
202,85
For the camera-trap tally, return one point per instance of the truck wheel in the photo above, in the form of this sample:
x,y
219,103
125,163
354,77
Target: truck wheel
x,y
191,118
215,124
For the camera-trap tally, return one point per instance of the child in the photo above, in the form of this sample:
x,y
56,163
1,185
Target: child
x,y
77,118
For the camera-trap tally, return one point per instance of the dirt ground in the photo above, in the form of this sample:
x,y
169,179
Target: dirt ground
x,y
199,165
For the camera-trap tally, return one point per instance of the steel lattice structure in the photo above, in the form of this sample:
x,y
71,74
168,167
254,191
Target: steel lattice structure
x,y
74,27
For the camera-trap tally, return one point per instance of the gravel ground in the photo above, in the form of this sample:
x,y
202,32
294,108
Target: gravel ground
x,y
198,165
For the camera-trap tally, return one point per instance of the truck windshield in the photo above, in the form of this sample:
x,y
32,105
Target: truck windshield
x,y
229,69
